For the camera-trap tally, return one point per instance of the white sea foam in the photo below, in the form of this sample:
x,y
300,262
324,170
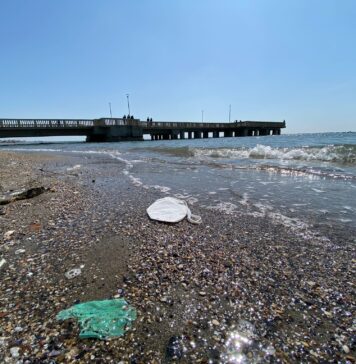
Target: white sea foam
x,y
244,200
135,181
265,183
192,200
298,226
317,190
163,189
265,210
263,207
181,196
225,207
77,166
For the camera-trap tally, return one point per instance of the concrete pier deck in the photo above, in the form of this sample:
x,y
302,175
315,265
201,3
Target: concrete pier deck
x,y
120,129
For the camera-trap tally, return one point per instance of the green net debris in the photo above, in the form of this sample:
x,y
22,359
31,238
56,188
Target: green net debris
x,y
101,319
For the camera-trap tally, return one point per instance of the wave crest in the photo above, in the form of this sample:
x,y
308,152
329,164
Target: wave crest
x,y
345,154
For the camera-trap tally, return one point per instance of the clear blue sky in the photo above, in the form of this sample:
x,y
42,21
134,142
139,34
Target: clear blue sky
x,y
271,60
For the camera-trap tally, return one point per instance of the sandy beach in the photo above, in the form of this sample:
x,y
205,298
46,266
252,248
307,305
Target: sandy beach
x,y
223,291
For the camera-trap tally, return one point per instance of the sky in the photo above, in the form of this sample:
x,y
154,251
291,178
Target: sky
x,y
291,60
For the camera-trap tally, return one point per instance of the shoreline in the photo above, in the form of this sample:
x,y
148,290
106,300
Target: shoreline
x,y
289,297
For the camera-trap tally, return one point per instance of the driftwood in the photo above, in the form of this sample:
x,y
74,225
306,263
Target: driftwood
x,y
22,194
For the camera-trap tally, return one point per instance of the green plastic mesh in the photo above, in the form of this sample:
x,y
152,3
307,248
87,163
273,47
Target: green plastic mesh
x,y
101,319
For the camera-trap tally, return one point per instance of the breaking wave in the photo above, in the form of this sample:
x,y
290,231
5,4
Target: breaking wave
x,y
343,154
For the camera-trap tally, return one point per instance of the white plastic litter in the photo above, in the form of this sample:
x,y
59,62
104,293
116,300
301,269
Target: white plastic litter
x,y
170,209
73,273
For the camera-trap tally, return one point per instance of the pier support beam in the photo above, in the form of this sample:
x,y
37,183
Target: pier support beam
x,y
181,135
215,134
227,133
189,135
115,133
205,134
197,134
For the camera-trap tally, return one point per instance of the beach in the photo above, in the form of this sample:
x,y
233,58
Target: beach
x,y
230,290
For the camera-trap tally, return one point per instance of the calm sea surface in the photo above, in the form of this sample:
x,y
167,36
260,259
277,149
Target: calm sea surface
x,y
304,181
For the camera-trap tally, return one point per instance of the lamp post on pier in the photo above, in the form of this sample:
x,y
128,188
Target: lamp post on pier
x,y
128,103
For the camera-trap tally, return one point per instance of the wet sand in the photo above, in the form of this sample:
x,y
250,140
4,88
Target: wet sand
x,y
228,290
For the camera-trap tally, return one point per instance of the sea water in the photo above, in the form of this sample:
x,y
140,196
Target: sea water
x,y
306,182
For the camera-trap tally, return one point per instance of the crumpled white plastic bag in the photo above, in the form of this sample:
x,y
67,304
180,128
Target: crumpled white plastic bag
x,y
170,209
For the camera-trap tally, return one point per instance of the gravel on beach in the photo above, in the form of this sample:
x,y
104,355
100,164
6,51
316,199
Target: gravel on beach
x,y
231,290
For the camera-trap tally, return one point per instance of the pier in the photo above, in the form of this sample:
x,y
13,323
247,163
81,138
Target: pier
x,y
128,129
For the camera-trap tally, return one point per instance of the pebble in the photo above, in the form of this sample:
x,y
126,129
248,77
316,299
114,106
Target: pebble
x,y
15,352
215,322
311,283
346,349
54,353
20,251
270,350
73,273
8,234
174,349
2,262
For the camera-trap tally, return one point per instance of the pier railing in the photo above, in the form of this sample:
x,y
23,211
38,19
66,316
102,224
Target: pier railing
x,y
65,123
45,123
184,125
85,123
